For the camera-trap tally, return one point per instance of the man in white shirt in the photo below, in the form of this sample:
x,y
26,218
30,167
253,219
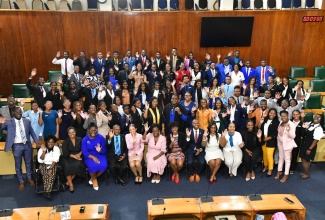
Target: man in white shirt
x,y
66,64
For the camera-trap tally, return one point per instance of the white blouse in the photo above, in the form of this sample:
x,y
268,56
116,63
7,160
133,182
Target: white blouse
x,y
237,140
50,157
266,127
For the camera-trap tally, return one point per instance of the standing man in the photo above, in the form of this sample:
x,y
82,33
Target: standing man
x,y
82,62
248,71
38,90
174,60
129,60
262,73
99,63
18,138
65,62
76,77
224,69
234,59
142,58
158,62
115,62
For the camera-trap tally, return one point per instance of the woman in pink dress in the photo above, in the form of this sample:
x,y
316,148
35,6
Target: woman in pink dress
x,y
135,145
156,158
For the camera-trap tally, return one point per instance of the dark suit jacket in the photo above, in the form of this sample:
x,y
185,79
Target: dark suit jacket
x,y
37,93
78,80
181,142
191,143
111,147
108,99
139,60
178,62
10,127
178,118
124,76
161,66
124,127
88,98
82,68
187,88
98,67
208,76
110,64
152,79
240,118
116,119
137,120
272,132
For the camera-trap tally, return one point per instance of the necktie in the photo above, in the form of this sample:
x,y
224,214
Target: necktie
x,y
77,77
43,91
116,61
100,62
143,60
231,141
248,71
22,133
65,67
263,74
195,137
117,146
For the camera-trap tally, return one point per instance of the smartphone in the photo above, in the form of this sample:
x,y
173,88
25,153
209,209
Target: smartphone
x,y
100,209
82,209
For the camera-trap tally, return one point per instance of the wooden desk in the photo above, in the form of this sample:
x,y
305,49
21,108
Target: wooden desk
x,y
272,203
91,212
175,207
232,205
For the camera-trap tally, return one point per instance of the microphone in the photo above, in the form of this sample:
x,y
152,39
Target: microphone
x,y
207,198
158,201
256,196
38,215
62,208
164,210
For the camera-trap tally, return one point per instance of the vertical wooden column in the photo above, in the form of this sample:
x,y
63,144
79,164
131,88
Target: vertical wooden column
x,y
182,5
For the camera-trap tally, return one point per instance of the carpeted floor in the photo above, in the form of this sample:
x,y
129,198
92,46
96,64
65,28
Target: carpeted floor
x,y
130,202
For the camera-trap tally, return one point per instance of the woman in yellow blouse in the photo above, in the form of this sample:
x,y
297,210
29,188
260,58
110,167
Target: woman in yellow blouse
x,y
204,114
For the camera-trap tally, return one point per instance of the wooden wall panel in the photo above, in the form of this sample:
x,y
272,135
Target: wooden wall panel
x,y
31,39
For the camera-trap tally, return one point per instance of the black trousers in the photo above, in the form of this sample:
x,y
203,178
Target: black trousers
x,y
250,161
117,168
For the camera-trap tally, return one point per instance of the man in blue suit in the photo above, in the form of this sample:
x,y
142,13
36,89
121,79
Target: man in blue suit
x,y
19,131
224,69
210,73
234,59
129,59
248,71
99,63
262,73
194,138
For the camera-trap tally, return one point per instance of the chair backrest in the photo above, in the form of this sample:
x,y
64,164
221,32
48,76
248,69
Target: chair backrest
x,y
292,83
21,4
297,72
37,5
148,4
296,3
309,116
5,4
310,3
319,72
47,85
318,85
203,3
271,4
174,4
20,91
189,4
122,4
76,5
314,102
92,5
286,4
54,75
235,4
246,4
51,5
136,4
63,6
258,4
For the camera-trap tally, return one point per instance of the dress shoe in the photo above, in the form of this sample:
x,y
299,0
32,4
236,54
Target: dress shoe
x,y
153,181
48,196
31,182
177,180
21,186
197,178
173,177
90,182
140,180
121,182
71,189
192,178
95,184
214,179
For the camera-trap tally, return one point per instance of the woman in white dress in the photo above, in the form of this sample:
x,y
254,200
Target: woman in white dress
x,y
237,77
232,142
213,153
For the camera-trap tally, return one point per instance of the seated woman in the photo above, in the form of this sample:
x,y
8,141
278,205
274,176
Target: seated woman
x,y
176,143
252,148
156,159
213,153
94,151
135,147
72,162
48,156
232,143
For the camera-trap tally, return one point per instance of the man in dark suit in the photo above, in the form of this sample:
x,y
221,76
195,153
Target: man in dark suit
x,y
194,150
211,73
38,90
185,87
262,73
129,59
206,61
82,62
123,75
224,69
234,59
76,77
126,120
99,63
91,95
248,71
115,62
154,76
117,154
116,117
159,62
174,60
20,143
142,59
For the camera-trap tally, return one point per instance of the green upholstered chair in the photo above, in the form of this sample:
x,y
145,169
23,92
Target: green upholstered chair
x,y
292,83
20,91
323,115
47,85
319,72
54,75
314,102
309,116
318,85
297,72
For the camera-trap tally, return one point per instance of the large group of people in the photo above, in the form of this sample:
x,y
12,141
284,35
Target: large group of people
x,y
106,109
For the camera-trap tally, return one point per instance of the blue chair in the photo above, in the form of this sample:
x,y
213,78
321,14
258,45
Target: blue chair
x,y
174,4
122,5
189,4
245,4
296,3
310,3
286,4
271,4
136,4
162,4
258,4
148,4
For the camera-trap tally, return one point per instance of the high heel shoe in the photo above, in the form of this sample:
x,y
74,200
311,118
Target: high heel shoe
x,y
214,179
140,182
136,180
278,175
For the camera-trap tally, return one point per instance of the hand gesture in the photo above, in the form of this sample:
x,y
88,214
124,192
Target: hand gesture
x,y
22,102
103,69
163,92
108,54
302,98
277,95
98,148
43,148
302,114
74,116
162,74
188,132
219,56
172,139
310,89
75,57
34,72
59,113
206,133
109,116
152,59
230,54
167,58
224,133
147,63
251,107
116,68
127,120
101,88
255,95
259,133
182,85
39,110
185,58
306,124
177,110
224,114
228,111
60,81
111,134
174,82
241,63
86,82
87,73
117,86
86,115
69,74
194,108
137,54
242,145
92,59
244,86
2,120
295,88
146,127
133,68
147,105
270,69
207,67
58,54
